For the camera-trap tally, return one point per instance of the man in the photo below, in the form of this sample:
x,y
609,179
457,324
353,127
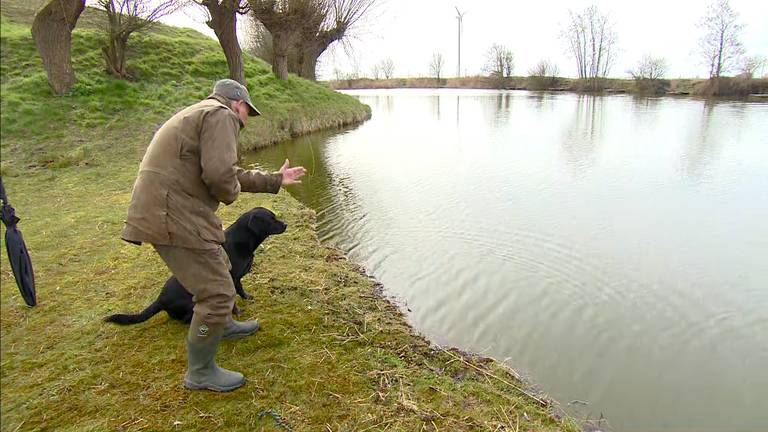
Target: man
x,y
188,169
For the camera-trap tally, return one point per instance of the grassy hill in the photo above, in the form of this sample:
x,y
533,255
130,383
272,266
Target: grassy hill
x,y
173,67
331,355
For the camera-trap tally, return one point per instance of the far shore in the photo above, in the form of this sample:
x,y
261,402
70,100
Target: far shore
x,y
715,87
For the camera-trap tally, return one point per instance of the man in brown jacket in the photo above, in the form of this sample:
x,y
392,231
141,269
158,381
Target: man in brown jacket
x,y
188,169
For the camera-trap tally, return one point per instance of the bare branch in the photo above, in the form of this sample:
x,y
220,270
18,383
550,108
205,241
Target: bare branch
x,y
499,61
649,68
436,65
720,46
752,66
591,41
543,69
387,67
125,17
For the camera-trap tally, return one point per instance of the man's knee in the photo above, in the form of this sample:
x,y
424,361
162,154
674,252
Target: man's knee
x,y
216,308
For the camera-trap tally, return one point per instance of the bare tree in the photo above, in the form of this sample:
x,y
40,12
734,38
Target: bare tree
x,y
387,67
52,31
286,21
222,18
591,41
543,69
436,66
543,75
338,74
376,71
752,65
649,68
720,46
124,17
499,62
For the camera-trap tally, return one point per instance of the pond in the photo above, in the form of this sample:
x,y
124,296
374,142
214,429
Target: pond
x,y
613,249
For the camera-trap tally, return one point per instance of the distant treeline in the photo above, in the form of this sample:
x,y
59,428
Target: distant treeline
x,y
722,86
591,40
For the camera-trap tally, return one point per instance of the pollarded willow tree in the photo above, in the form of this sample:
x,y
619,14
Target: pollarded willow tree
x,y
52,32
307,28
339,19
591,41
257,40
719,45
222,19
286,21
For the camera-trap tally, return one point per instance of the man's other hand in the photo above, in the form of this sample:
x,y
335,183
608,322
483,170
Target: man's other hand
x,y
291,175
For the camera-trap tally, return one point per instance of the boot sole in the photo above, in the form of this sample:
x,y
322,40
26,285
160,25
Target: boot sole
x,y
192,386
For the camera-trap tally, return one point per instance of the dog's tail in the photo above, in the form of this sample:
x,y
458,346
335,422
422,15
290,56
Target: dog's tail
x,y
126,319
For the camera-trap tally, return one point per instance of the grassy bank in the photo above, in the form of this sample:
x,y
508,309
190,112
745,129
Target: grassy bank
x,y
332,354
172,67
700,87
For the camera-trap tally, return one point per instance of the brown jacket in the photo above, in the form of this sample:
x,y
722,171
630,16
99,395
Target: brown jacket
x,y
188,169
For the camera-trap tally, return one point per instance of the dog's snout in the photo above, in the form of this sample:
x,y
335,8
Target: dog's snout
x,y
281,227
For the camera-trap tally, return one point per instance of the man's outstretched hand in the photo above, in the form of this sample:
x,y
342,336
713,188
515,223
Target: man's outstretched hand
x,y
291,175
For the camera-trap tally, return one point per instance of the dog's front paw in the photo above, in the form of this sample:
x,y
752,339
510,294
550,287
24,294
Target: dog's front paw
x,y
247,296
236,310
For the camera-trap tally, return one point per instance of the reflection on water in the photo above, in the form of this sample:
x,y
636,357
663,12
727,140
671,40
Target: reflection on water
x,y
583,134
612,248
703,144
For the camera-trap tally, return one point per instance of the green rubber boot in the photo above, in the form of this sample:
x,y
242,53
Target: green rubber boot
x,y
237,329
202,372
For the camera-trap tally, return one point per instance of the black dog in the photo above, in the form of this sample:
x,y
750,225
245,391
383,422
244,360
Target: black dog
x,y
241,240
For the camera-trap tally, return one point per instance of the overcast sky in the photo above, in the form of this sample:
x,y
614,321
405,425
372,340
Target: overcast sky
x,y
410,31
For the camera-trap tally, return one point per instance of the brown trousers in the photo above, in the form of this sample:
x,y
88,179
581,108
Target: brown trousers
x,y
205,274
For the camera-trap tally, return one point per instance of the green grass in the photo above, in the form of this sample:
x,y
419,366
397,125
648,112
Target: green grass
x,y
171,67
332,354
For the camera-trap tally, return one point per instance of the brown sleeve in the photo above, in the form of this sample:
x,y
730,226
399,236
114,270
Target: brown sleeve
x,y
259,181
218,154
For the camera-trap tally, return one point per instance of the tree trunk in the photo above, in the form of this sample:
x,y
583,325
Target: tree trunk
x,y
308,65
280,44
309,52
720,48
114,55
224,24
52,31
296,59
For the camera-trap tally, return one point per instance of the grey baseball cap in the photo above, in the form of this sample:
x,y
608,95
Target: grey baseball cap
x,y
233,90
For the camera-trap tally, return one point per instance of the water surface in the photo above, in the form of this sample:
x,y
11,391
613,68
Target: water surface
x,y
613,249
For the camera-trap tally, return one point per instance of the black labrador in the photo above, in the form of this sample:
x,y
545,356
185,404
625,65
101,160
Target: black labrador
x,y
241,240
